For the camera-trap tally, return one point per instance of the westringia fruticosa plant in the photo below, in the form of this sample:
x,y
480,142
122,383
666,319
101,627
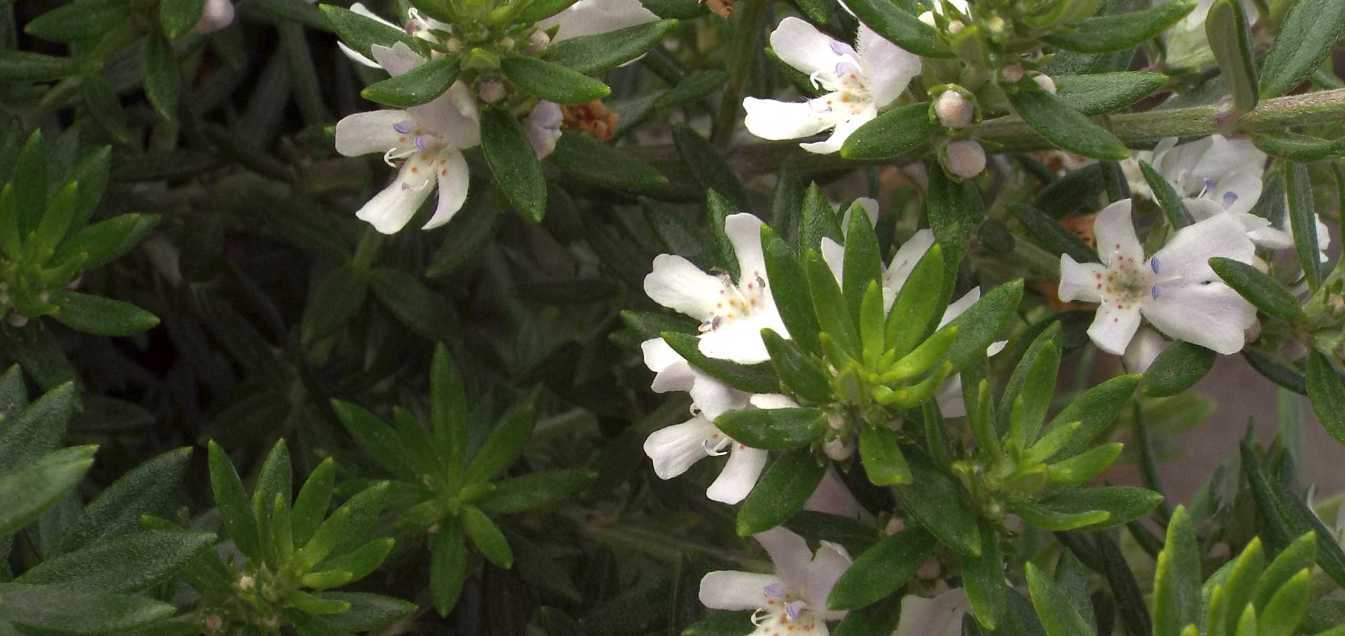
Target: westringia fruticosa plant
x,y
700,317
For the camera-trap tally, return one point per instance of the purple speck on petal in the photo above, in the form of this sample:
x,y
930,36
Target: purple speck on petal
x,y
774,590
402,127
1230,198
420,142
1153,264
838,48
794,609
1209,183
1153,291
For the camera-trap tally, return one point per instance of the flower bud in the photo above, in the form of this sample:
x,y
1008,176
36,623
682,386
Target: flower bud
x,y
1011,74
954,110
216,15
1045,82
538,41
490,91
965,159
839,448
894,525
956,26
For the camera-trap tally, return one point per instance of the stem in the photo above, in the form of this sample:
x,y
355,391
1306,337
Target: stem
x,y
747,30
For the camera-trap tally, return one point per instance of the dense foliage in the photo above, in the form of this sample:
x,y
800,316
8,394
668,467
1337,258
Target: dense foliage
x,y
865,317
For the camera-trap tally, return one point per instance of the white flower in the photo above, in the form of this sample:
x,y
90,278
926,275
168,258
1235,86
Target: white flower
x,y
732,313
928,16
794,599
1143,350
964,158
417,25
833,497
1175,289
215,15
1196,18
858,84
590,17
938,616
1045,82
543,127
428,139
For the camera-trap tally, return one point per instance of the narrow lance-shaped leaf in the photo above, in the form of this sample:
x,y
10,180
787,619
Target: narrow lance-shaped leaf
x,y
1117,32
1063,126
1268,294
882,569
897,25
1303,221
1230,39
1177,578
1326,389
594,54
552,82
787,483
513,164
1309,31
417,86
774,429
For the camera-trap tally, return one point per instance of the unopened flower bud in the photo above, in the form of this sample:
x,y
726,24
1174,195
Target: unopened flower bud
x,y
839,449
246,582
1045,82
1011,74
956,26
506,43
954,110
538,41
215,15
929,570
490,91
965,159
453,45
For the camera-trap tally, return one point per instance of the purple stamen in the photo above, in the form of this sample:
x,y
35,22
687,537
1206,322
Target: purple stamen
x,y
774,590
402,127
420,142
1153,264
1209,183
1153,291
1230,198
794,609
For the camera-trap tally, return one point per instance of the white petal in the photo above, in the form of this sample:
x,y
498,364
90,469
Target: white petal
x,y
1143,349
590,17
365,133
841,133
390,209
888,68
938,616
957,307
543,127
1115,234
1188,252
659,355
1079,281
215,15
452,117
736,340
800,45
744,233
950,399
790,554
396,59
675,448
826,567
905,260
679,285
676,377
356,56
833,497
713,397
1237,192
772,401
735,591
359,9
1223,156
775,120
1210,314
868,205
833,254
1113,327
739,475
453,182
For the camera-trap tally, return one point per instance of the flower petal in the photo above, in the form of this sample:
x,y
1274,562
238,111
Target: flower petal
x,y
905,260
215,15
826,567
713,397
800,45
1143,349
870,207
960,305
739,475
833,254
543,127
888,68
772,401
833,497
1114,326
841,133
738,340
366,133
396,59
950,399
453,182
1079,281
1115,234
659,355
735,591
776,120
790,554
1209,314
390,209
591,17
676,448
679,285
356,56
1188,252
744,233
938,616
452,117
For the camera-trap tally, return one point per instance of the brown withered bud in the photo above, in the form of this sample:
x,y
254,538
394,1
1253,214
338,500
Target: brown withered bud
x,y
721,8
592,118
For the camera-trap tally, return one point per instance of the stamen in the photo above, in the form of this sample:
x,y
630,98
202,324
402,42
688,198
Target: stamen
x,y
774,590
1153,264
402,127
420,142
1230,198
794,609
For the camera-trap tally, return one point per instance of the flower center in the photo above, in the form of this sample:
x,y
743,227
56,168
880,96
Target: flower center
x,y
736,301
847,94
1126,281
784,613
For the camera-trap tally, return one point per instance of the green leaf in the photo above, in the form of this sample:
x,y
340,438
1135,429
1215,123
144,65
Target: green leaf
x,y
360,32
448,565
1167,197
1065,127
1027,408
349,525
592,161
1095,410
56,609
798,372
919,304
161,76
366,612
232,502
124,564
1303,221
101,316
1085,466
177,18
513,165
1226,29
315,496
884,463
1298,147
1286,608
1242,580
693,88
1122,503
899,26
601,52
1290,561
76,21
487,538
936,502
789,289
150,488
1177,369
23,66
756,378
1177,578
879,619
710,169
983,322
30,183
955,211
862,264
1101,93
539,10
375,437
881,570
426,312
54,224
334,301
983,578
1120,31
718,623
105,241
37,429
361,561
787,483
552,82
1058,616
833,315
505,443
1268,294
535,490
1051,235
1285,516
1055,520
1309,31
901,131
817,219
774,429
417,86
448,411
1327,392
27,493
